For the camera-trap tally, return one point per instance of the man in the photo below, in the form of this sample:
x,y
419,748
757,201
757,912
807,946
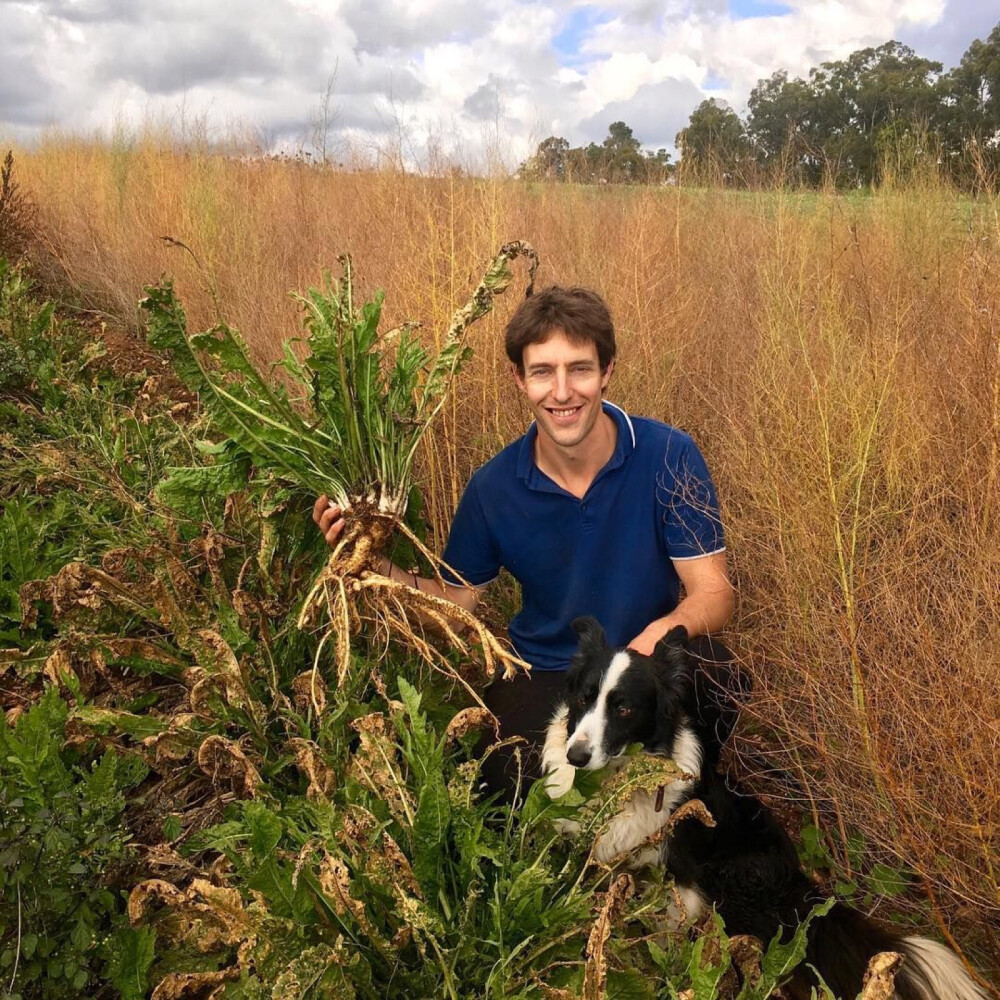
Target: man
x,y
592,511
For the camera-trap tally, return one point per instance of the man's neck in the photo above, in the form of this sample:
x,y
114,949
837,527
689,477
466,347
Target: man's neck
x,y
574,469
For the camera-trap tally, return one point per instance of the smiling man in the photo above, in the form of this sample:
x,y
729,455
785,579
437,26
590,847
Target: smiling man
x,y
594,512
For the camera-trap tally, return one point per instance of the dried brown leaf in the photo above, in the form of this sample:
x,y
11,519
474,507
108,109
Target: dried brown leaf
x,y
692,809
880,976
309,760
145,893
194,985
59,666
596,972
746,952
204,916
306,969
309,692
225,762
218,660
400,866
471,719
335,880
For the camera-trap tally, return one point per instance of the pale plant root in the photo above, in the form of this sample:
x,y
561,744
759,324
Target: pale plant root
x,y
350,589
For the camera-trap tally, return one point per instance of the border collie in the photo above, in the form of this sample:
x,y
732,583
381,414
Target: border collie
x,y
745,866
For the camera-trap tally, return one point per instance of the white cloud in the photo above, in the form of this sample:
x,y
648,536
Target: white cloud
x,y
446,69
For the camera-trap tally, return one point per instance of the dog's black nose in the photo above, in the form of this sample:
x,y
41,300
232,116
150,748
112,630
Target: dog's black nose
x,y
578,756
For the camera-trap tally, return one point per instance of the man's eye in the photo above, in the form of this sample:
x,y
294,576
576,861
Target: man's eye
x,y
624,711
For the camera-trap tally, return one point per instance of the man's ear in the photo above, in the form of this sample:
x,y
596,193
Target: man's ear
x,y
606,374
591,635
518,374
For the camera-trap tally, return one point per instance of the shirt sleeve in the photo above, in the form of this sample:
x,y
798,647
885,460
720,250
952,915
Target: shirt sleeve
x,y
471,550
690,520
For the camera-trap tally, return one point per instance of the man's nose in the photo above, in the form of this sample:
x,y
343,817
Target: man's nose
x,y
561,389
579,755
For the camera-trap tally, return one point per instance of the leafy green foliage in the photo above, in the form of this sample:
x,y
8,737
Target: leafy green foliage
x,y
62,847
348,418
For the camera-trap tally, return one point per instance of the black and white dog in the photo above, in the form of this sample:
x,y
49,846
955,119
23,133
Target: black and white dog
x,y
745,866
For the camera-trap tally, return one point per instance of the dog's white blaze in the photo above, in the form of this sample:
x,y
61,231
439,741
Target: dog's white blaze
x,y
590,730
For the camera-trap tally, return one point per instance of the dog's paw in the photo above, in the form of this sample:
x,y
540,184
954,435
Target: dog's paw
x,y
559,780
567,827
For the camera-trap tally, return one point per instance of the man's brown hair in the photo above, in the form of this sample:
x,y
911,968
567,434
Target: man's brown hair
x,y
580,312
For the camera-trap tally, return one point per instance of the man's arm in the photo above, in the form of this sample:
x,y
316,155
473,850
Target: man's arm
x,y
708,604
330,521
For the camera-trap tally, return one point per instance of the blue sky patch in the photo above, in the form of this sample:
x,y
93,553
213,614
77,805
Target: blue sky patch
x,y
577,27
743,9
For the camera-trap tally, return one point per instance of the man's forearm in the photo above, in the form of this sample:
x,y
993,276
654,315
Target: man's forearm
x,y
464,597
700,614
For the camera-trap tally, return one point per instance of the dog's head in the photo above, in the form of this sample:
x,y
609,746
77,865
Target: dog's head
x,y
617,697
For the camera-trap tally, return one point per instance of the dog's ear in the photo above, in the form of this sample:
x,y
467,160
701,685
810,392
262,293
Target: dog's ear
x,y
591,635
677,636
673,661
669,711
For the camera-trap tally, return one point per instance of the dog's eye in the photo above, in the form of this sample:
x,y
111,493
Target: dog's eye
x,y
581,701
624,711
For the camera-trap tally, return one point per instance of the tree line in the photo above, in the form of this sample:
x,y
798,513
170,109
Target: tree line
x,y
849,122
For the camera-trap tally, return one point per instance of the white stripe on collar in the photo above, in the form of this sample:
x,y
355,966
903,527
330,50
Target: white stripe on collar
x,y
628,419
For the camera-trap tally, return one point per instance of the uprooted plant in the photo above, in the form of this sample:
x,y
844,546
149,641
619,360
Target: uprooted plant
x,y
347,422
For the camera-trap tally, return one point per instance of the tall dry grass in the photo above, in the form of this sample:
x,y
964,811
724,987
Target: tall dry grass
x,y
837,359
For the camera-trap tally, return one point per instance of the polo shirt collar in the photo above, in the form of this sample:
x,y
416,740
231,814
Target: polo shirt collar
x,y
624,446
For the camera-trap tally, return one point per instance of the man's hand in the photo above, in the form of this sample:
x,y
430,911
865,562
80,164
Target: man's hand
x,y
329,519
647,639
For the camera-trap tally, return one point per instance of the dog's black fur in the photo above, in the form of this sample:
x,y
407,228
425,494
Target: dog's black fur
x,y
745,866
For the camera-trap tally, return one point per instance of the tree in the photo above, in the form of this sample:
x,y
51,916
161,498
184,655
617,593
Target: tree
x,y
549,161
784,129
714,139
618,159
970,98
873,94
623,153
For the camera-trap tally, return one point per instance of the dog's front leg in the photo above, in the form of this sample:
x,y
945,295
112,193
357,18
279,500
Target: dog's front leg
x,y
557,769
638,822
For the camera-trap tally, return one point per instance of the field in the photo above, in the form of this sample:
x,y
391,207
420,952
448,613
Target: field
x,y
836,358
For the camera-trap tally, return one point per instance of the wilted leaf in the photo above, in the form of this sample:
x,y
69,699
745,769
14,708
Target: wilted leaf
x,y
224,761
307,969
309,760
692,809
469,720
880,976
596,972
204,916
309,692
194,985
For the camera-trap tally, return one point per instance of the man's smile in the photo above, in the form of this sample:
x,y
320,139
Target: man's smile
x,y
566,413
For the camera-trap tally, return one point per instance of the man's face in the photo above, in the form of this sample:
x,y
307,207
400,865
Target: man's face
x,y
563,382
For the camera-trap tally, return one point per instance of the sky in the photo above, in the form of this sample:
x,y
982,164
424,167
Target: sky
x,y
446,78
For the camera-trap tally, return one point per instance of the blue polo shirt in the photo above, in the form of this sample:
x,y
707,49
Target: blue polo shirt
x,y
608,554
